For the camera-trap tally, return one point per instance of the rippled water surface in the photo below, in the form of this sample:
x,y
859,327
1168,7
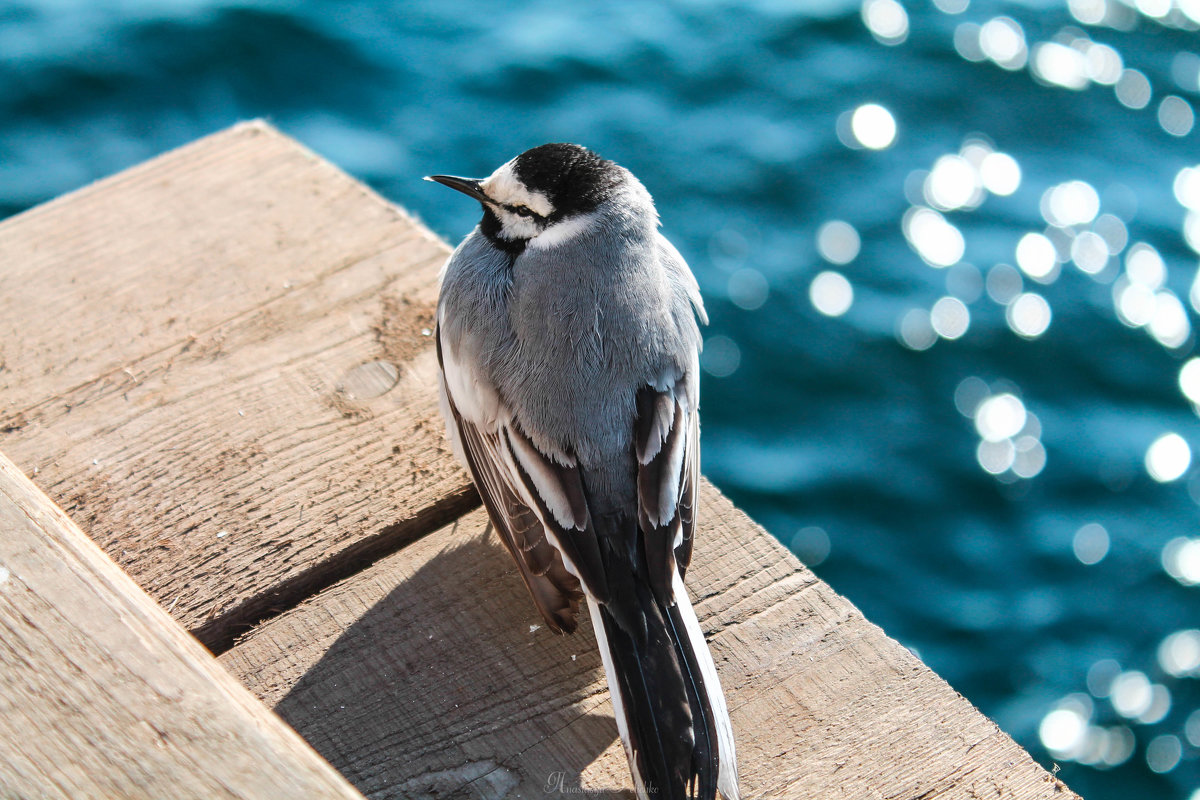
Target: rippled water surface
x,y
949,251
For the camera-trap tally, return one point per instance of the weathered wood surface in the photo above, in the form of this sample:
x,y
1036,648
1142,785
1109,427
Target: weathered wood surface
x,y
193,361
103,695
181,351
427,675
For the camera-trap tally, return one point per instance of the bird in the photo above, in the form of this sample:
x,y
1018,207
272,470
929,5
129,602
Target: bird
x,y
568,342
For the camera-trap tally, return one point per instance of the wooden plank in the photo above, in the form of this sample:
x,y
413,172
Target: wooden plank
x,y
186,362
103,695
427,675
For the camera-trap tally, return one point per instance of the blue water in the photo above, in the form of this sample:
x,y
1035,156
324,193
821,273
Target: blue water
x,y
841,434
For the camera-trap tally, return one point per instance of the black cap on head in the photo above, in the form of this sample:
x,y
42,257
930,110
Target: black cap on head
x,y
575,179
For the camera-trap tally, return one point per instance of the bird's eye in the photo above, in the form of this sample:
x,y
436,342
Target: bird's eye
x,y
523,211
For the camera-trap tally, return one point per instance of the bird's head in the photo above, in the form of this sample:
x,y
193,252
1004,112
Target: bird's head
x,y
547,192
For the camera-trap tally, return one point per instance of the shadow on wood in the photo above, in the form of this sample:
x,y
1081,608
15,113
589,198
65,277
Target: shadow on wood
x,y
390,706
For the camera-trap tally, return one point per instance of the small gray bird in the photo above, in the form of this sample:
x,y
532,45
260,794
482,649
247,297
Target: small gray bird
x,y
567,338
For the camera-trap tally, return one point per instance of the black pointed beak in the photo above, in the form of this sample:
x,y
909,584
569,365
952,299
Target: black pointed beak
x,y
468,186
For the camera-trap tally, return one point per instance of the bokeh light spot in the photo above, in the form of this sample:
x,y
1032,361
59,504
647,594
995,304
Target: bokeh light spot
x,y
1131,694
1189,380
1060,65
1001,174
1036,256
873,126
1133,89
915,331
831,293
1181,560
1179,653
748,289
721,356
838,242
1000,417
950,318
886,20
811,545
936,241
952,184
1028,315
1168,458
1002,39
1090,252
1163,753
1090,543
1175,115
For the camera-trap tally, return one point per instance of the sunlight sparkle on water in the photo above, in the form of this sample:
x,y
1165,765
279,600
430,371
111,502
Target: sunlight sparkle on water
x,y
1145,266
1089,12
1000,173
953,183
1067,733
1189,380
1009,434
937,242
1168,458
1191,230
873,126
1028,315
1104,64
950,318
831,293
1070,203
916,331
1090,543
1002,39
1112,230
1181,560
886,20
838,242
1089,252
1169,323
1037,257
748,289
1063,730
1060,65
1004,284
1000,417
1175,115
970,392
1163,753
1187,187
721,356
1100,677
1179,653
1133,89
1134,302
1131,694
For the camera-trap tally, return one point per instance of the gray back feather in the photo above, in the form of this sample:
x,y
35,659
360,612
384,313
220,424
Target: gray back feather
x,y
571,332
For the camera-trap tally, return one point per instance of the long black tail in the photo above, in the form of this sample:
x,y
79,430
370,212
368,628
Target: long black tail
x,y
669,706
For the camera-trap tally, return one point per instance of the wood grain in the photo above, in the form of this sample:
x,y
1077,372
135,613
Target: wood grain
x,y
427,675
103,695
195,400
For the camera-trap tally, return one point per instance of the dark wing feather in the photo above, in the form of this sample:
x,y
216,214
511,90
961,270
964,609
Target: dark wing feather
x,y
667,438
555,591
521,488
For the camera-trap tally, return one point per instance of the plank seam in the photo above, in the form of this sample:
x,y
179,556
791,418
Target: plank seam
x,y
222,631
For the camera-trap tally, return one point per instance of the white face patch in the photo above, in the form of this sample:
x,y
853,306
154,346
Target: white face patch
x,y
506,188
562,231
514,226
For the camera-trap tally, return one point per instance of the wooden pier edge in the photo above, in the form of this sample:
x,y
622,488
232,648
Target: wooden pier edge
x,y
241,413
103,695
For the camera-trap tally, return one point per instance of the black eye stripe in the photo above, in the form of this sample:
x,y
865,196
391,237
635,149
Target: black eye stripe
x,y
523,211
